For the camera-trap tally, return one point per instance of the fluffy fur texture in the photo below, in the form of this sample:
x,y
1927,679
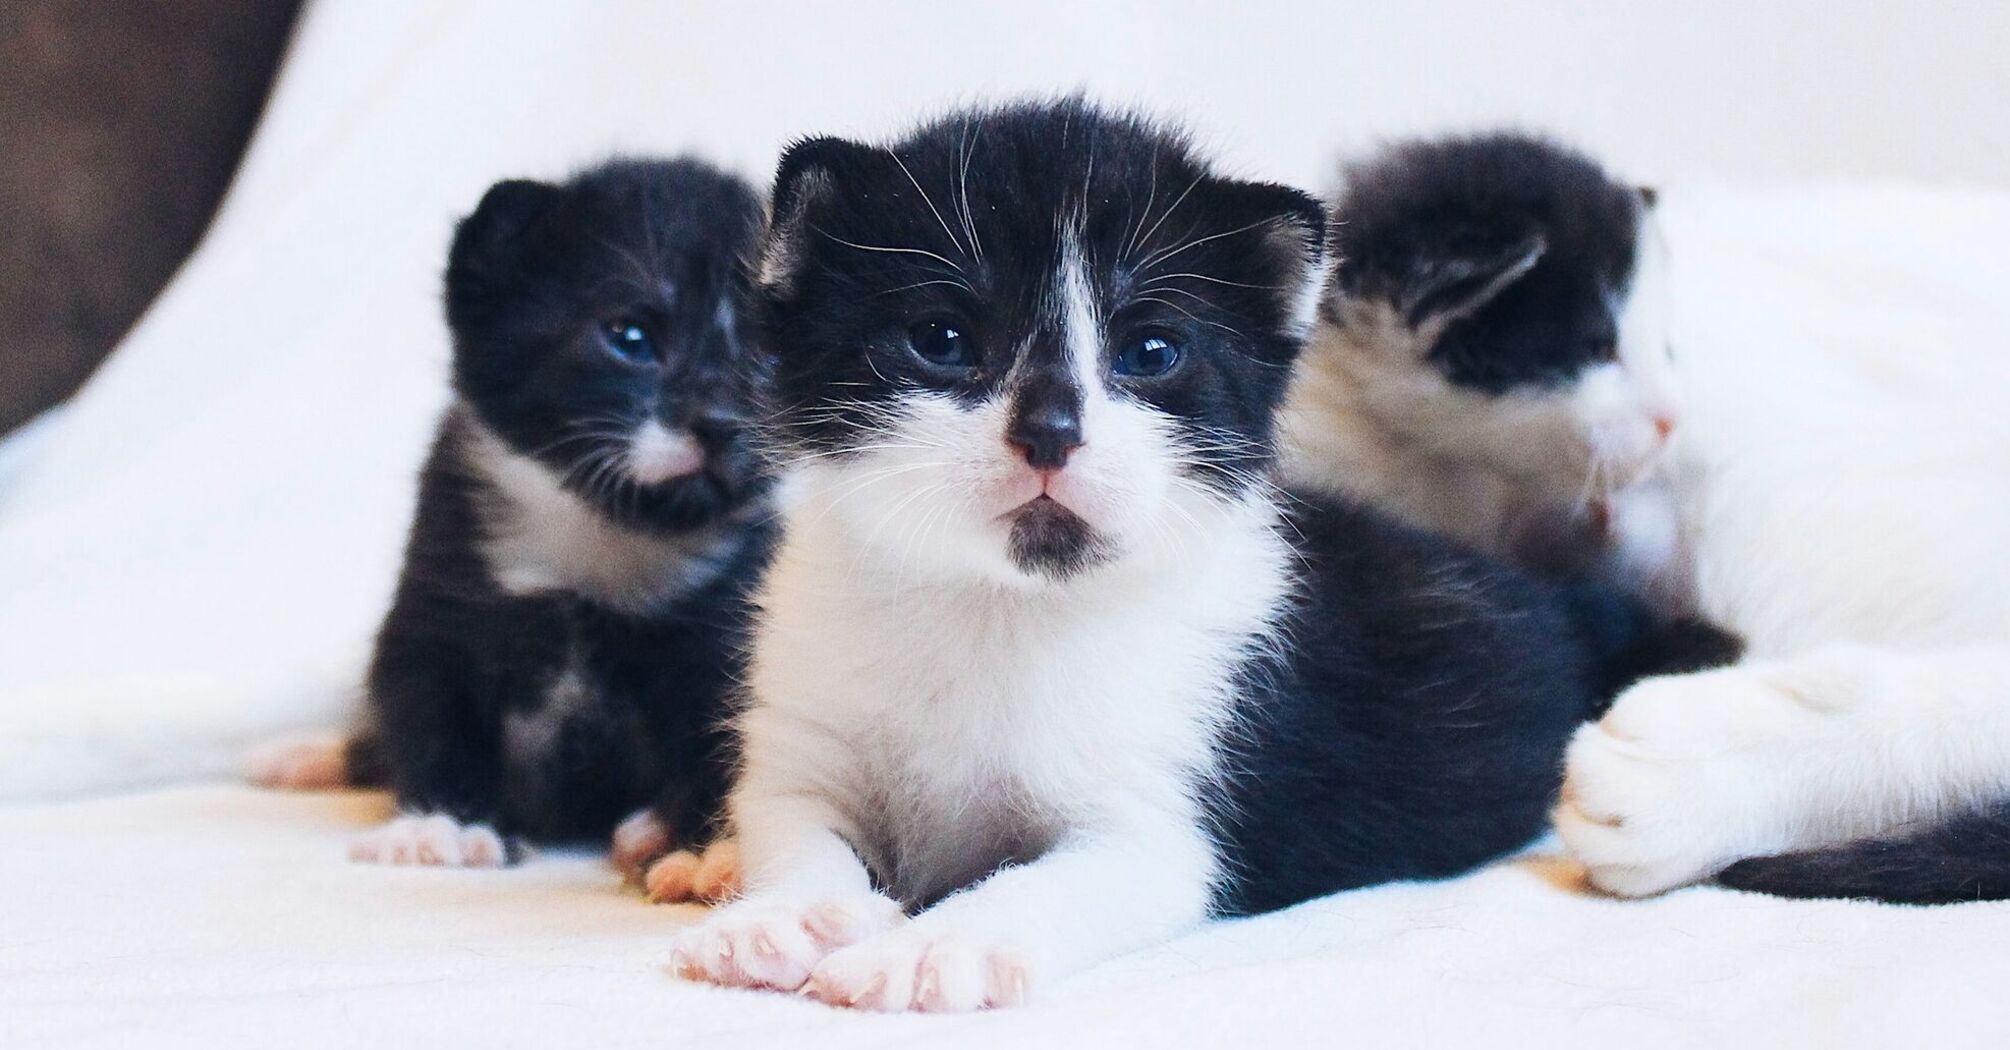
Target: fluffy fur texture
x,y
1493,359
1045,660
1458,381
571,615
1961,860
1852,534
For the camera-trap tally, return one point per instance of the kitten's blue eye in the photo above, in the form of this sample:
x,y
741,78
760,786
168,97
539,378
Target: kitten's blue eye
x,y
1150,355
940,344
629,340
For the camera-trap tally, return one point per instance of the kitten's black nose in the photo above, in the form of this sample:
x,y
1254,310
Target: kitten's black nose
x,y
1046,422
718,418
715,426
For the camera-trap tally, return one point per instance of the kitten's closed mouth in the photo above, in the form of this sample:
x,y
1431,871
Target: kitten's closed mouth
x,y
1050,540
1042,509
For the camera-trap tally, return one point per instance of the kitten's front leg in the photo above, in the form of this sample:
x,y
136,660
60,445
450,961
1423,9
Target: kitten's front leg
x,y
1087,900
807,895
442,753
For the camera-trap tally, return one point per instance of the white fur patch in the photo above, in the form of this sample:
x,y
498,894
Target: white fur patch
x,y
657,454
531,733
540,538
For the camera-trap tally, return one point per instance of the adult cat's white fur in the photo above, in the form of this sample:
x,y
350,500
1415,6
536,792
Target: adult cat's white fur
x,y
1844,477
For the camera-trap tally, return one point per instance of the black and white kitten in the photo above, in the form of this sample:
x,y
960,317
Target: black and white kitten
x,y
571,614
1044,659
1492,360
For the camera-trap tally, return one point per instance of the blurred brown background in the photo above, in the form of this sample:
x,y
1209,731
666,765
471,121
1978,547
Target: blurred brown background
x,y
122,121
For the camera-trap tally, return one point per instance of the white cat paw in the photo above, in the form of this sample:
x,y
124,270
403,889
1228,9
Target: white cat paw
x,y
304,764
775,944
638,840
432,840
913,968
1685,775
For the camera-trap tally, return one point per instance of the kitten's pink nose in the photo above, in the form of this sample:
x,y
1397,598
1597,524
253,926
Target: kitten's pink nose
x,y
1664,424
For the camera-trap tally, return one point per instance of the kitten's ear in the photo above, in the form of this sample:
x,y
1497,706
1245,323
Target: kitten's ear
x,y
1293,224
487,242
1458,277
810,172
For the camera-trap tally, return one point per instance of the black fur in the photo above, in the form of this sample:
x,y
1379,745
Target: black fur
x,y
1439,228
1416,727
980,252
534,278
1966,859
1414,721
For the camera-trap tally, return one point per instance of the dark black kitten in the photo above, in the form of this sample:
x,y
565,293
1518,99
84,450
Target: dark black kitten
x,y
570,618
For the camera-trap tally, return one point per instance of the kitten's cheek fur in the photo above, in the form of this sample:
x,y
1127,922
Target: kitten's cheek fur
x,y
1614,419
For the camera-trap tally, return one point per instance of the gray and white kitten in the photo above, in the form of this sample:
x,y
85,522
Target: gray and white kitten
x,y
1493,363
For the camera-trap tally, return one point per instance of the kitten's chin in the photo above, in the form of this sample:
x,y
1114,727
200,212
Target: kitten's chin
x,y
1047,541
691,501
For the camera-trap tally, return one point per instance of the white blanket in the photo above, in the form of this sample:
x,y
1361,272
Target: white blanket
x,y
193,555
223,917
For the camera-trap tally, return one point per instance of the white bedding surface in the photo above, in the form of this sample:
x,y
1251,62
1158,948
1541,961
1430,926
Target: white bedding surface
x,y
193,555
220,916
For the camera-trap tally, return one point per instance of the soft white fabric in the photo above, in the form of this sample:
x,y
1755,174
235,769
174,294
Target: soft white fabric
x,y
197,555
194,554
223,917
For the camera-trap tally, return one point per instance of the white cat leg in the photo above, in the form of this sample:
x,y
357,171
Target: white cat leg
x,y
1687,774
991,944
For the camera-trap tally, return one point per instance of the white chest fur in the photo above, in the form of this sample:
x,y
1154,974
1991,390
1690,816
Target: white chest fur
x,y
539,538
960,725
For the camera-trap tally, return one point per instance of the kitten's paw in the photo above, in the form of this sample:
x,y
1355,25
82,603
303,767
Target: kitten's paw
x,y
1685,775
914,968
301,764
431,839
639,839
711,877
773,943
672,877
718,875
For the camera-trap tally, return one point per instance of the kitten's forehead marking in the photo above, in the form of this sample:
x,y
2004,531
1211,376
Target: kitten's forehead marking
x,y
1081,327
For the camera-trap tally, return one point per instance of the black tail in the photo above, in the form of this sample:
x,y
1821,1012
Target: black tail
x,y
1966,859
1630,641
